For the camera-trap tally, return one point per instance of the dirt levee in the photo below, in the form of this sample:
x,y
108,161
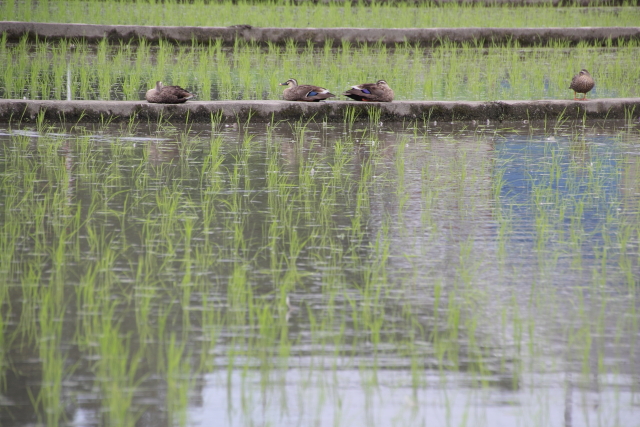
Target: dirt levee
x,y
319,36
13,110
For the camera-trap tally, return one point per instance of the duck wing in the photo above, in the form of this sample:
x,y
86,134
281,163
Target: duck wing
x,y
370,92
168,95
574,81
314,93
363,92
177,93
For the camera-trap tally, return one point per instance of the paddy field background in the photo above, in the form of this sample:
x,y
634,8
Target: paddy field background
x,y
303,273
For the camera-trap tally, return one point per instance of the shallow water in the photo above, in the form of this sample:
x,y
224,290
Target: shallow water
x,y
320,274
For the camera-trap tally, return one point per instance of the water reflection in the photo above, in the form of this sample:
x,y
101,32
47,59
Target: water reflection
x,y
159,152
299,274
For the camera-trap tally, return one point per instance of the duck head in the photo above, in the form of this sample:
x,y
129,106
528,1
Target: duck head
x,y
290,82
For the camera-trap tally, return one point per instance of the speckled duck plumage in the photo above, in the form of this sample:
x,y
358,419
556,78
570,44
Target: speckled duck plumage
x,y
371,92
306,93
167,94
581,83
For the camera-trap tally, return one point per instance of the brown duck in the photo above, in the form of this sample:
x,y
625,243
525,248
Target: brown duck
x,y
167,94
307,93
371,92
581,83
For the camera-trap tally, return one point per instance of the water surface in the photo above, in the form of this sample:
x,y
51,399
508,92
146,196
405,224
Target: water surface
x,y
320,274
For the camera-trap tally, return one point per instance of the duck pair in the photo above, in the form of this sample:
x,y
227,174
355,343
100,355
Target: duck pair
x,y
367,92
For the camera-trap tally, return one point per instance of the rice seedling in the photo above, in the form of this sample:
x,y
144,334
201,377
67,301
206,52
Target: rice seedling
x,y
49,400
179,380
281,13
247,71
117,376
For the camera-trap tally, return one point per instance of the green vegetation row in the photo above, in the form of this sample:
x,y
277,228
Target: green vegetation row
x,y
77,70
281,13
140,258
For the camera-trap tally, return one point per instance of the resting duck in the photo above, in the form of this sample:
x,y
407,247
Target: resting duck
x,y
581,83
167,94
371,92
307,93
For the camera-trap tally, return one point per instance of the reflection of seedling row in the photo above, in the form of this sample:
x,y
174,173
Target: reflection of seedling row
x,y
144,257
127,71
281,13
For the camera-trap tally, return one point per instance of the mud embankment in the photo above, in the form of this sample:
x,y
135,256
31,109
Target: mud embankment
x,y
319,36
13,110
555,3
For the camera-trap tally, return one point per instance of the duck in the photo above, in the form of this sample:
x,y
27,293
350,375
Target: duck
x,y
371,92
167,94
581,83
307,93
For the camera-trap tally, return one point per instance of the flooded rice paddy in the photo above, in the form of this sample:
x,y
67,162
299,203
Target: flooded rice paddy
x,y
73,69
295,274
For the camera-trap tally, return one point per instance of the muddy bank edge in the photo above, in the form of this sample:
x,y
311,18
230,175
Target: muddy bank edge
x,y
319,36
26,111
